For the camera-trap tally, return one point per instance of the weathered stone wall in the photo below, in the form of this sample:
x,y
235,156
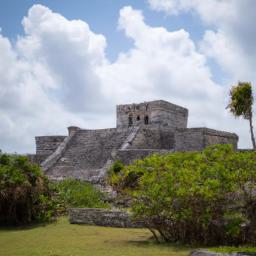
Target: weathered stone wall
x,y
130,155
157,112
188,139
37,159
152,137
168,114
102,217
218,137
46,145
196,139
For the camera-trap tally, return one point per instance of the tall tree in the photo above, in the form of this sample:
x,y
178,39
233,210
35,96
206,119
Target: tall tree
x,y
241,101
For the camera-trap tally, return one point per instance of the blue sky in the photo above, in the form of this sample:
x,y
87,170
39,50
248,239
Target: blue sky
x,y
78,59
102,16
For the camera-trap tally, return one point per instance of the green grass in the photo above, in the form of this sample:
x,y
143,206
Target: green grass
x,y
62,239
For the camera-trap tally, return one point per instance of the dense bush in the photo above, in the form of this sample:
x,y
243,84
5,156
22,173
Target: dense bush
x,y
204,197
116,167
24,192
113,174
27,196
75,193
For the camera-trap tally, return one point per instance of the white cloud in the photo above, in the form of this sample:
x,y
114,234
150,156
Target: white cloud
x,y
161,64
211,11
231,42
48,80
25,108
57,75
230,56
70,51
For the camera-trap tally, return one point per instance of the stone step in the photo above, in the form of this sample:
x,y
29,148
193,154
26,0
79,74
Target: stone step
x,y
88,152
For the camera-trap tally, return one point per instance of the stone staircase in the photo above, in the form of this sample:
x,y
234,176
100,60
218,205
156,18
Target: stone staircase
x,y
128,142
88,154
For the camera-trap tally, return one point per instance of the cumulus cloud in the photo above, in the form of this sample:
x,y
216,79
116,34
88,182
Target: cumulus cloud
x,y
70,51
48,79
161,64
222,9
57,75
231,41
25,108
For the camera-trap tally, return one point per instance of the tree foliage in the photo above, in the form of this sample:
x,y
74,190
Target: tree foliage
x,y
241,102
204,197
26,195
24,192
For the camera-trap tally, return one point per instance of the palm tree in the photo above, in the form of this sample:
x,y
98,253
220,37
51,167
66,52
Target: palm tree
x,y
241,101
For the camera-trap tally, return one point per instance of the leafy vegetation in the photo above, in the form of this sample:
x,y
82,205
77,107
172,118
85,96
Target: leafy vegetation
x,y
241,101
113,174
64,239
24,192
116,167
76,193
204,197
27,196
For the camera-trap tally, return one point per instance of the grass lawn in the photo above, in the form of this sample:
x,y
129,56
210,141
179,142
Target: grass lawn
x,y
62,238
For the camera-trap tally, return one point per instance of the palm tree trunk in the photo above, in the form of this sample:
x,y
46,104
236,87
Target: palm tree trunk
x,y
252,134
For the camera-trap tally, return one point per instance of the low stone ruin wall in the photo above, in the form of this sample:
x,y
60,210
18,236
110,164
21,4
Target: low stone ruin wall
x,y
196,139
102,217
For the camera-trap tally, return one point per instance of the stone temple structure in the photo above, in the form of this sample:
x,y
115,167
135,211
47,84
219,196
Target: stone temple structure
x,y
141,129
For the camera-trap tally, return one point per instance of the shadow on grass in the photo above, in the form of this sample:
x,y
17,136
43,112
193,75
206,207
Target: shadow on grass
x,y
153,243
26,226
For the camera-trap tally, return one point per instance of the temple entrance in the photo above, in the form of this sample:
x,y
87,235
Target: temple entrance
x,y
146,120
130,121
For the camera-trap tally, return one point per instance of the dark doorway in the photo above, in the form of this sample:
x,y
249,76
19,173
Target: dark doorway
x,y
130,121
138,118
146,120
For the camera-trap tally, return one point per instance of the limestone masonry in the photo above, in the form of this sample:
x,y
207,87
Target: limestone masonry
x,y
141,129
103,217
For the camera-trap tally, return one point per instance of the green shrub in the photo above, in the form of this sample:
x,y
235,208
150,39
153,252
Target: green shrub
x,y
204,197
24,192
114,172
116,167
76,193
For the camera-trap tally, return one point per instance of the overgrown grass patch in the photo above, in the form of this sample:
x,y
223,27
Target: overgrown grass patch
x,y
70,193
64,239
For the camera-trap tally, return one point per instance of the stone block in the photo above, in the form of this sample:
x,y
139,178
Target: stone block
x,y
102,217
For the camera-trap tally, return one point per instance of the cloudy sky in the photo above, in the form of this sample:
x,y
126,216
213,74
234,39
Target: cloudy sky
x,y
68,63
